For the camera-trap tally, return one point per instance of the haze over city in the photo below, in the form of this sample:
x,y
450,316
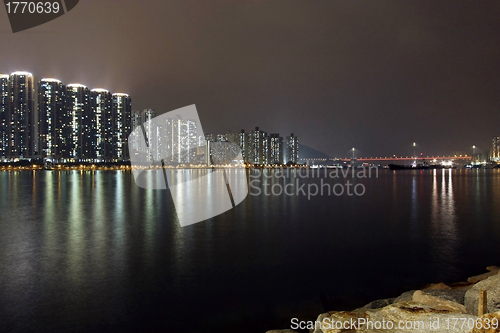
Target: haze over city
x,y
338,74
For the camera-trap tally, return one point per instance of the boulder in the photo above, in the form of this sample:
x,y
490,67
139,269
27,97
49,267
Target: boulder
x,y
405,297
418,316
492,270
454,295
492,287
437,303
438,286
380,303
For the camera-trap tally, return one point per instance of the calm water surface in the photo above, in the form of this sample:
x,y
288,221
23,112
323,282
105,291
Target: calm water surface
x,y
92,252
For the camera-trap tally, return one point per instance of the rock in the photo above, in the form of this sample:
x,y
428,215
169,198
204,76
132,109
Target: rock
x,y
454,295
461,285
337,317
437,303
405,297
419,316
492,287
488,319
380,303
437,286
493,270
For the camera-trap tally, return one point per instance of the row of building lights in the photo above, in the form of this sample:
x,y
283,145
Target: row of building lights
x,y
62,123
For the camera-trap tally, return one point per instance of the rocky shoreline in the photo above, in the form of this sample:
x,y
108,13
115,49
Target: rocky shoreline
x,y
464,307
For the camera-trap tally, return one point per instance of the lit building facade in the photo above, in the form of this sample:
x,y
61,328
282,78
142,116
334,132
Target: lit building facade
x,y
256,149
51,118
78,145
495,149
101,125
275,149
135,121
121,126
153,145
222,138
180,141
61,123
4,102
20,117
242,142
209,137
292,149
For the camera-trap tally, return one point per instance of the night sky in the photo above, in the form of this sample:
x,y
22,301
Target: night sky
x,y
375,75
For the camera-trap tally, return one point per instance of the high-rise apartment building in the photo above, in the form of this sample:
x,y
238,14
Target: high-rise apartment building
x,y
495,149
242,142
62,123
292,149
256,150
180,141
4,102
51,118
256,147
275,149
135,121
152,135
21,116
102,125
77,129
121,125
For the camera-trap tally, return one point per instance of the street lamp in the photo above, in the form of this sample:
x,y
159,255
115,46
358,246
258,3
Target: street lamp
x,y
353,153
473,151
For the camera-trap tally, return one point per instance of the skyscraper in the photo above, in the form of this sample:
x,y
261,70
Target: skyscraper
x,y
51,118
495,149
135,121
276,149
242,142
21,116
256,149
292,149
179,141
121,125
152,134
4,102
77,124
266,150
102,125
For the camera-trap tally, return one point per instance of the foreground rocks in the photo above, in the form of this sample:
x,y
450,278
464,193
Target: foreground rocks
x,y
398,317
437,308
492,286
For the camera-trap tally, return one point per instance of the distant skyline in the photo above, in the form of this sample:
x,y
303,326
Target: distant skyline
x,y
377,76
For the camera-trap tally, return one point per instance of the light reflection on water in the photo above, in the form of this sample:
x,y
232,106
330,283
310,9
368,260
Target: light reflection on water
x,y
443,215
90,251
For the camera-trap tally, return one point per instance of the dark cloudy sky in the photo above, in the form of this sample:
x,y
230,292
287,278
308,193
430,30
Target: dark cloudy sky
x,y
375,75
